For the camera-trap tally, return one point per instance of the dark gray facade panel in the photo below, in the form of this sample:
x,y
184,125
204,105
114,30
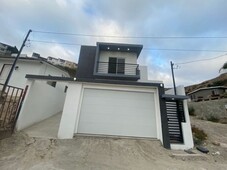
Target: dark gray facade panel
x,y
86,62
164,120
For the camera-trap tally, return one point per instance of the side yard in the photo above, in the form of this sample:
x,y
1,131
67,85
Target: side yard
x,y
216,137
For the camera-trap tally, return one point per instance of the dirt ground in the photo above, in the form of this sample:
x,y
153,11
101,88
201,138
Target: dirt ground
x,y
22,152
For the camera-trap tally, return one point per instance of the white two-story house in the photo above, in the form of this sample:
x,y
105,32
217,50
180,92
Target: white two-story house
x,y
112,96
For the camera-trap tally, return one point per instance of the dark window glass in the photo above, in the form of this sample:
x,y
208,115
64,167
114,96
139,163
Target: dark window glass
x,y
112,66
121,66
52,83
66,88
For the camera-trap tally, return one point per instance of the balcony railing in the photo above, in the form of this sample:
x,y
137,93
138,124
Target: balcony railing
x,y
118,69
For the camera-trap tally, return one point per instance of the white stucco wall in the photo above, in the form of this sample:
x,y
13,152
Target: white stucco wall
x,y
130,58
29,67
41,102
143,74
47,69
186,126
18,77
71,111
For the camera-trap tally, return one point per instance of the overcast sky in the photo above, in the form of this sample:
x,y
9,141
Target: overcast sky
x,y
138,18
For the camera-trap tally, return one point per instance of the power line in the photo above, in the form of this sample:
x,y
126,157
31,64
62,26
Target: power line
x,y
174,49
51,42
132,37
145,48
193,61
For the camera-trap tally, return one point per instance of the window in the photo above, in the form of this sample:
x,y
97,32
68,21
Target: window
x,y
116,65
52,83
4,71
66,88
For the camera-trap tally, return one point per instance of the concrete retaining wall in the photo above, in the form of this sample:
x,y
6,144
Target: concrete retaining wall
x,y
206,109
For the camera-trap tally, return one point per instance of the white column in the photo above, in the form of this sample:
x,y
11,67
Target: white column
x,y
70,111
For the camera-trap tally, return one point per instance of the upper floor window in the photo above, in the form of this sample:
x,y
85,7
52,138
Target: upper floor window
x,y
116,65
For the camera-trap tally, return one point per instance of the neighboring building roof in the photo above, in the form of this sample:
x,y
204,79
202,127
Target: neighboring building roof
x,y
10,48
136,48
208,88
61,62
41,59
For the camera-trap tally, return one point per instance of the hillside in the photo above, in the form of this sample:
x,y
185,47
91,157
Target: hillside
x,y
218,81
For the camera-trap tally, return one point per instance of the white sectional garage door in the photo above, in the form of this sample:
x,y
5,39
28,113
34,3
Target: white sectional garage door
x,y
122,113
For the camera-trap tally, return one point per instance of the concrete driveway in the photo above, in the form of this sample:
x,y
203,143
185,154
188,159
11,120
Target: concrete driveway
x,y
47,129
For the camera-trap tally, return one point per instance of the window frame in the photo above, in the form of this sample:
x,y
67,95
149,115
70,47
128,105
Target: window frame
x,y
115,67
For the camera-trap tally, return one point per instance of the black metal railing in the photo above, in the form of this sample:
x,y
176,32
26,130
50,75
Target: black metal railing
x,y
127,69
10,99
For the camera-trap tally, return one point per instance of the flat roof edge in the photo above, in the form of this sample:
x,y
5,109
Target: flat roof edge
x,y
105,81
174,97
53,78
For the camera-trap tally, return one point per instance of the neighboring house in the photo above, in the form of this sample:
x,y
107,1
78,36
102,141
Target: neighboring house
x,y
208,93
22,95
7,50
27,65
61,62
112,96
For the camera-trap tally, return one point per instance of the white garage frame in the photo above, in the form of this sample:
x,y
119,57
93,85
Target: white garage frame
x,y
127,88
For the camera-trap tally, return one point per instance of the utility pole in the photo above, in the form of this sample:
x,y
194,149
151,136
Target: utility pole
x,y
14,63
174,84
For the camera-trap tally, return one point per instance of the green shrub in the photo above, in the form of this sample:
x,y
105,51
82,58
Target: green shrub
x,y
199,135
191,111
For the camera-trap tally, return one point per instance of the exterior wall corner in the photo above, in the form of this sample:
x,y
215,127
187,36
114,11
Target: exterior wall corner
x,y
70,111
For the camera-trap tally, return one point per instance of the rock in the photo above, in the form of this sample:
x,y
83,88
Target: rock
x,y
216,143
202,149
189,151
216,153
224,145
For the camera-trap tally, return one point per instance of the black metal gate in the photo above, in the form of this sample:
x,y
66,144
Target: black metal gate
x,y
175,115
9,103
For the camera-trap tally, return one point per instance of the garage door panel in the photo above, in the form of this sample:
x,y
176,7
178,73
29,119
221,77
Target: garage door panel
x,y
112,112
133,131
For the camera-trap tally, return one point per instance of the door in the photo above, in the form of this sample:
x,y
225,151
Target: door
x,y
116,65
112,65
121,66
4,72
121,113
